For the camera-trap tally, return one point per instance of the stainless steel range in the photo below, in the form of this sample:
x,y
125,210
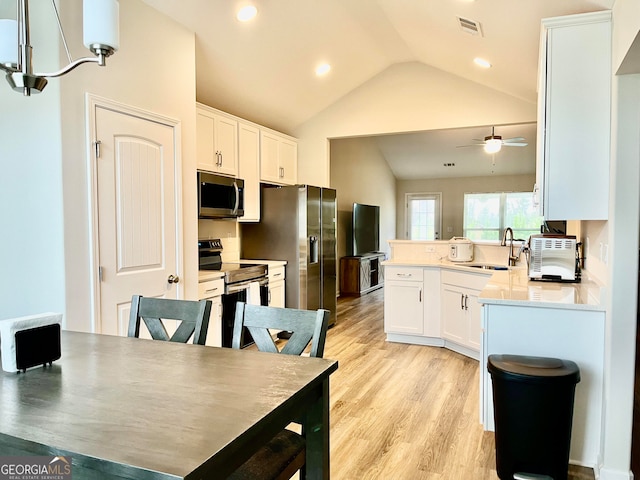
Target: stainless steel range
x,y
239,282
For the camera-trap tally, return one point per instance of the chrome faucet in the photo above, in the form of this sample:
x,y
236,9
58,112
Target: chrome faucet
x,y
512,258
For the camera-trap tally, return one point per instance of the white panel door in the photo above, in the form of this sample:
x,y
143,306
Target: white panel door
x,y
136,214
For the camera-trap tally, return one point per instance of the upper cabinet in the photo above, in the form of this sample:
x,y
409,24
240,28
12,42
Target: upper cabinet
x,y
249,169
278,158
217,141
574,117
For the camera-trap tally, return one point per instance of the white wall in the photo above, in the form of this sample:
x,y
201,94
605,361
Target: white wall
x,y
624,214
403,98
360,174
453,190
154,70
46,198
31,209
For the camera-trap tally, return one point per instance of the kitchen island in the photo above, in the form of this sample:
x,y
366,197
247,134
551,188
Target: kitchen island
x,y
549,319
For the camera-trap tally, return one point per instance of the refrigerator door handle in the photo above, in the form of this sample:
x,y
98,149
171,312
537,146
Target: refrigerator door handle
x,y
313,249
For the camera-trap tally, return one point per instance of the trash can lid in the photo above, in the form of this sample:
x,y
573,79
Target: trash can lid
x,y
533,369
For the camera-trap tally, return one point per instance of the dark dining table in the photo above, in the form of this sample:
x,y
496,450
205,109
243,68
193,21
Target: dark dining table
x,y
142,409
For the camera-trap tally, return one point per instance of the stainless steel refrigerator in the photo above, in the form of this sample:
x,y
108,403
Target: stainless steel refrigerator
x,y
298,224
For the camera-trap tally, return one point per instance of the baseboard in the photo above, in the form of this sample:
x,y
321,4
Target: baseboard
x,y
609,474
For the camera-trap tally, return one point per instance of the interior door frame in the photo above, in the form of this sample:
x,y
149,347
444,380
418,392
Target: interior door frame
x,y
93,102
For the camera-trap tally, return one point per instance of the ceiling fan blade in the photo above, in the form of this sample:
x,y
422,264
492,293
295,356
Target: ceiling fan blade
x,y
515,144
514,139
471,145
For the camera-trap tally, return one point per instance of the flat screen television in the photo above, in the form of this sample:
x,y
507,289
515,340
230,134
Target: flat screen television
x,y
366,229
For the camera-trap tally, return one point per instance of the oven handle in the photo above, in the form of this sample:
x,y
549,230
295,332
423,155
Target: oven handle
x,y
238,287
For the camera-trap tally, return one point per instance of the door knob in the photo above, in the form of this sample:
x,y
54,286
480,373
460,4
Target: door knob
x,y
173,279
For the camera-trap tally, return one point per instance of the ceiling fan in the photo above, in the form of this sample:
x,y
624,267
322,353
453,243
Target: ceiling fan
x,y
493,143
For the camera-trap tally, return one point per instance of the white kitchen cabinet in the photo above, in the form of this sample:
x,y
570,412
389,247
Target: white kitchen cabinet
x,y
570,334
403,305
461,314
278,158
217,141
574,117
213,290
249,170
277,286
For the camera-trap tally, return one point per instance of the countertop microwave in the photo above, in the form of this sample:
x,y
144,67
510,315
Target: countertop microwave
x,y
219,196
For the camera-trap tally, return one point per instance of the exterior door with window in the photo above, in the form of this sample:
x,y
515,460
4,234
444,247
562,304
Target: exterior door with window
x,y
423,216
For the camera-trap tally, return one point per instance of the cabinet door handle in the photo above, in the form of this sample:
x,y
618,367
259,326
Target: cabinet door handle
x,y
420,295
461,301
211,290
466,297
404,275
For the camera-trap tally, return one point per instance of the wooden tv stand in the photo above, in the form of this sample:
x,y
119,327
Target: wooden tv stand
x,y
361,274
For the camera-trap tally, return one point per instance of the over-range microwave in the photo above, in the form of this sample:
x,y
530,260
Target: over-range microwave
x,y
219,196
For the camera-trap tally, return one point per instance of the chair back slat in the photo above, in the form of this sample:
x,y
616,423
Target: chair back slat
x,y
192,315
306,326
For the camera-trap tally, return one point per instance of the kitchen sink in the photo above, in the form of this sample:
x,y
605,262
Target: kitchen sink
x,y
485,266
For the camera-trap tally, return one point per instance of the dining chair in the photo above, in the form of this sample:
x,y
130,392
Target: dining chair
x,y
305,326
192,315
285,453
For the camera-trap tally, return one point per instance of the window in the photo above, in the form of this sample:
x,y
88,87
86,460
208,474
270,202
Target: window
x,y
423,216
486,215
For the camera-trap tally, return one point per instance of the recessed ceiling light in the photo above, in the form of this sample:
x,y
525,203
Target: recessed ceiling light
x,y
481,62
323,69
247,13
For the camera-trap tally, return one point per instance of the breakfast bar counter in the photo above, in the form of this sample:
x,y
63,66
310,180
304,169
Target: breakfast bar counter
x,y
513,287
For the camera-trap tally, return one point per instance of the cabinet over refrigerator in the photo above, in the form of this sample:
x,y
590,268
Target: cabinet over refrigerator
x,y
298,224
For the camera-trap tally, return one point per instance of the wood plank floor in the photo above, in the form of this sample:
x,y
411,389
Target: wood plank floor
x,y
404,411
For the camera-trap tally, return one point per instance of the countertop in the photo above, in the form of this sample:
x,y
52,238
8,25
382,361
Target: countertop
x,y
513,287
207,275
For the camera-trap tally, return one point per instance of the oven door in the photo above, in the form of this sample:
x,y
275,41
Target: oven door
x,y
238,293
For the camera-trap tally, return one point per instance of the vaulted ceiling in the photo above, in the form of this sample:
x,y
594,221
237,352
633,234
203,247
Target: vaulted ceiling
x,y
263,70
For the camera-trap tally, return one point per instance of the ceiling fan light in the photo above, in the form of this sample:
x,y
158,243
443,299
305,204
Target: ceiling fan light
x,y
493,145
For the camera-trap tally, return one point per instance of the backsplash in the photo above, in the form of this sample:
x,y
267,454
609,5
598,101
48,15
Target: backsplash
x,y
433,251
227,231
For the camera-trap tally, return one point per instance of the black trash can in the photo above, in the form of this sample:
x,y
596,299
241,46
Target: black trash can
x,y
533,411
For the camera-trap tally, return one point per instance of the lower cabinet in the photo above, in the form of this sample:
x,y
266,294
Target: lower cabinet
x,y
434,306
412,304
403,301
276,286
461,312
213,290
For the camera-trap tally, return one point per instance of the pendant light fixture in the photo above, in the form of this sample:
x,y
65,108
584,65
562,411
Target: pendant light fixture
x,y
100,34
